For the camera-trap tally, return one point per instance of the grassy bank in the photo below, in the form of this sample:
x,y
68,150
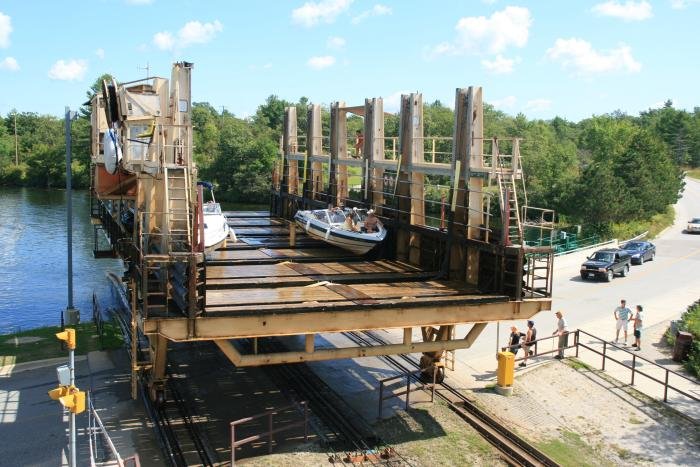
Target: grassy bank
x,y
41,343
654,225
693,173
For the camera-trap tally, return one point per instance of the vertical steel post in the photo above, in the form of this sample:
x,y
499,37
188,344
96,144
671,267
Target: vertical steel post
x,y
634,363
381,399
666,388
71,365
233,444
576,338
72,316
604,348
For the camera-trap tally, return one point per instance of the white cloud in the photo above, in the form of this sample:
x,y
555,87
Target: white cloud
x,y
321,62
492,35
579,56
10,64
164,40
72,70
682,4
335,42
376,10
100,53
499,65
628,11
326,11
506,103
5,30
538,105
193,32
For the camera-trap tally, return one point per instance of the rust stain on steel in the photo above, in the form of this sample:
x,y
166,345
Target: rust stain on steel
x,y
352,294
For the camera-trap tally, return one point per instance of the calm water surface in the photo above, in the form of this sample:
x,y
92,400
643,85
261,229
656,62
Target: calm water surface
x,y
33,258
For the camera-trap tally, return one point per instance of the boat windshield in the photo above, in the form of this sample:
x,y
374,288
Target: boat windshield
x,y
337,217
320,215
211,208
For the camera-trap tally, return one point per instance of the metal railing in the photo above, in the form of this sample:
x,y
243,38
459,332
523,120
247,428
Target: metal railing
x,y
269,434
97,428
413,376
634,370
605,357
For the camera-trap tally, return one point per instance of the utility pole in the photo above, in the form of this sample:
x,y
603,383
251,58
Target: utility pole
x,y
16,144
72,315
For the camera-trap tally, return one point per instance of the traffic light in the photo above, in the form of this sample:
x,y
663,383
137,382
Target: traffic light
x,y
70,397
67,335
59,392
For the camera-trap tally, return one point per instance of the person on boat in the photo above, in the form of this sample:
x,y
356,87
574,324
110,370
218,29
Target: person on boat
x,y
349,223
371,222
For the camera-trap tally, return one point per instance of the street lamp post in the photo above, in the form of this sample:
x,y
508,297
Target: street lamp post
x,y
71,315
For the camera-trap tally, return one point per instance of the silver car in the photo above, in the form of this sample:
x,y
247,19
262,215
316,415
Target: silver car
x,y
693,225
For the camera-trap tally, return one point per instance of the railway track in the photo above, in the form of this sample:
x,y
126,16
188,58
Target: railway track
x,y
513,449
351,439
180,440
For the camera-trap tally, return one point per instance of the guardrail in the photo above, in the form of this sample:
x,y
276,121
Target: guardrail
x,y
270,431
604,353
410,376
95,428
633,368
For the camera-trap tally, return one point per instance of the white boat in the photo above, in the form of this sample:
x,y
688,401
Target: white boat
x,y
216,228
329,225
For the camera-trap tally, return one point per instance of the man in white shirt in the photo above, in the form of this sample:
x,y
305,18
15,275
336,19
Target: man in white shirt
x,y
563,332
622,317
638,322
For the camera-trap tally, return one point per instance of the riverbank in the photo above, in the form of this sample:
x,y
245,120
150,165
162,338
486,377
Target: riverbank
x,y
41,343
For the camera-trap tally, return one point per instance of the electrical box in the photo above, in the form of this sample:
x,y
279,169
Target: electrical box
x,y
506,368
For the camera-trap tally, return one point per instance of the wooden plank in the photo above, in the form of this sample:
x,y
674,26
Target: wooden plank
x,y
352,294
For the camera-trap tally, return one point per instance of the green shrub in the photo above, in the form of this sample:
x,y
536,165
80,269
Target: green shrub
x,y
690,322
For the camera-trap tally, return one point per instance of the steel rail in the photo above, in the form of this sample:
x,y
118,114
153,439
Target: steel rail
x,y
514,449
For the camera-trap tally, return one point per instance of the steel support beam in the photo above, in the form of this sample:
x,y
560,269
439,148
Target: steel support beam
x,y
314,322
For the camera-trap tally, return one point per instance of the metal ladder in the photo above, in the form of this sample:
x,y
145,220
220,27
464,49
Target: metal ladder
x,y
506,175
178,224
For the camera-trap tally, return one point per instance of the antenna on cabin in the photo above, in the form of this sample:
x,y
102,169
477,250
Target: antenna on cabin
x,y
147,68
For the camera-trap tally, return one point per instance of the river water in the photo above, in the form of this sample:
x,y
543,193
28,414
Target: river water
x,y
33,258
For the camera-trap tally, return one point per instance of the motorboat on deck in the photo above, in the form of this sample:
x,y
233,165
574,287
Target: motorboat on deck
x,y
216,228
329,226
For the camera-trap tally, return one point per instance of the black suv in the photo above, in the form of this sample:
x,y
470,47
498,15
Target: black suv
x,y
604,264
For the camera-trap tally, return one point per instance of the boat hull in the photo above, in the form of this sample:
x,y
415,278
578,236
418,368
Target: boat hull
x,y
355,242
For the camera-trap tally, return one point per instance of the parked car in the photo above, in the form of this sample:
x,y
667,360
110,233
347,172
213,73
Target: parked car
x,y
693,225
604,264
640,251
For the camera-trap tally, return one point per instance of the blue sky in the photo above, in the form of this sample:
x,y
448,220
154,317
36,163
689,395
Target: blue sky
x,y
570,58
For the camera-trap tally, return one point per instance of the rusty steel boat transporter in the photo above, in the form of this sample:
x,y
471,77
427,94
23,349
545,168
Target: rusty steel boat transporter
x,y
278,281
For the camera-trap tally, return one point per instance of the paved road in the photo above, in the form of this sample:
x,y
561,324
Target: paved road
x,y
665,287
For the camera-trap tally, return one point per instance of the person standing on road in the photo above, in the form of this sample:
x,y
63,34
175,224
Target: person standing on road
x,y
638,322
530,338
563,332
622,317
514,340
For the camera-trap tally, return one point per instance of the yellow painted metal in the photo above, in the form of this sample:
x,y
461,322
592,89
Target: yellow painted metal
x,y
57,393
506,369
67,335
274,323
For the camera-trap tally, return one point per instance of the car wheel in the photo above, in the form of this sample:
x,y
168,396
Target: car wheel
x,y
652,257
583,277
641,259
609,276
626,270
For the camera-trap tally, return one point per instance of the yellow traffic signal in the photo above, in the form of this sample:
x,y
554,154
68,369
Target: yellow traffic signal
x,y
73,400
59,392
67,335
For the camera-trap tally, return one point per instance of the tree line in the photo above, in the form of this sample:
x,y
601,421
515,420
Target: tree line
x,y
606,169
